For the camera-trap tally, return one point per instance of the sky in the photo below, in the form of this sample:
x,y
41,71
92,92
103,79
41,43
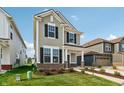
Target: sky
x,y
106,23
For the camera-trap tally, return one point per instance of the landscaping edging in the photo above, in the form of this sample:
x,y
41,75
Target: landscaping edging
x,y
104,73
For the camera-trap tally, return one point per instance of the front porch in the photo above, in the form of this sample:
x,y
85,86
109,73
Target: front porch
x,y
73,56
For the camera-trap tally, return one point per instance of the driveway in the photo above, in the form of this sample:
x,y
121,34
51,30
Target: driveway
x,y
109,69
117,80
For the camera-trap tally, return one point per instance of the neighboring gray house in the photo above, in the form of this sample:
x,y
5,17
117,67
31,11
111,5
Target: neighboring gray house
x,y
118,55
12,46
104,52
56,41
98,52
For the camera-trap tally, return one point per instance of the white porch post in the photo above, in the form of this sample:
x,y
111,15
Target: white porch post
x,y
63,55
37,41
66,61
66,55
82,59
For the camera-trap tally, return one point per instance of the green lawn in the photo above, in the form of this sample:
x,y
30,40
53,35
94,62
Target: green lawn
x,y
67,79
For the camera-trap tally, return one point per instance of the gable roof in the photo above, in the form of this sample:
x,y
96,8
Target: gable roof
x,y
14,24
59,15
117,40
94,42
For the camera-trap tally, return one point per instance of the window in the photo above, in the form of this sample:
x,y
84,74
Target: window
x,y
51,55
11,35
47,55
108,47
55,55
122,47
71,37
51,31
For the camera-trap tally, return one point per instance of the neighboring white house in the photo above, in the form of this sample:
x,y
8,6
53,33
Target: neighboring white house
x,y
12,46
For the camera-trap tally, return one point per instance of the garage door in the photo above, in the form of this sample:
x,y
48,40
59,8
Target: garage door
x,y
103,60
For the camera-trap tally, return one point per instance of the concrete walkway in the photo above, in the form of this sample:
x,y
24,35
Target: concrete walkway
x,y
117,80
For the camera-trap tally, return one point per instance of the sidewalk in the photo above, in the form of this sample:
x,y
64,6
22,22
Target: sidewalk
x,y
117,80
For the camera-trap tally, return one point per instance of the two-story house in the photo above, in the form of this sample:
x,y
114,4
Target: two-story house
x,y
118,55
98,52
12,46
104,52
56,41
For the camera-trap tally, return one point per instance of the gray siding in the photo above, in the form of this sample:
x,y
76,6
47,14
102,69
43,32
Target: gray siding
x,y
46,40
96,48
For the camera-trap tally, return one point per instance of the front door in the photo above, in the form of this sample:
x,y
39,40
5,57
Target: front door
x,y
68,59
78,60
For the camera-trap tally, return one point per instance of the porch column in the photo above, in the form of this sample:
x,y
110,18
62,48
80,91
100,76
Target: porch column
x,y
82,59
63,55
37,41
66,61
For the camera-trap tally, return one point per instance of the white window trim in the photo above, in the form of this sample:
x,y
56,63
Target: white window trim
x,y
108,47
51,56
51,24
122,48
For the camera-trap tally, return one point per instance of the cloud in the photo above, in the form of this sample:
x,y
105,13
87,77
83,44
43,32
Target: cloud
x,y
75,17
30,49
82,36
45,9
111,36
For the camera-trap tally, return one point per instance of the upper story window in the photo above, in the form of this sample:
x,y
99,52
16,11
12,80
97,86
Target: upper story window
x,y
51,31
71,38
11,35
108,47
122,47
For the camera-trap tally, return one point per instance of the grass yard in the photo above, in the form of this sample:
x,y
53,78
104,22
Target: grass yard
x,y
67,79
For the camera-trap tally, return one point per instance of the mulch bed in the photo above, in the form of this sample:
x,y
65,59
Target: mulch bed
x,y
105,73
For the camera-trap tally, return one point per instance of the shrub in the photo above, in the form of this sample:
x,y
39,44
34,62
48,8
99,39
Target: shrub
x,y
47,72
102,70
114,67
92,68
83,71
117,73
71,70
53,70
61,71
86,68
99,66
